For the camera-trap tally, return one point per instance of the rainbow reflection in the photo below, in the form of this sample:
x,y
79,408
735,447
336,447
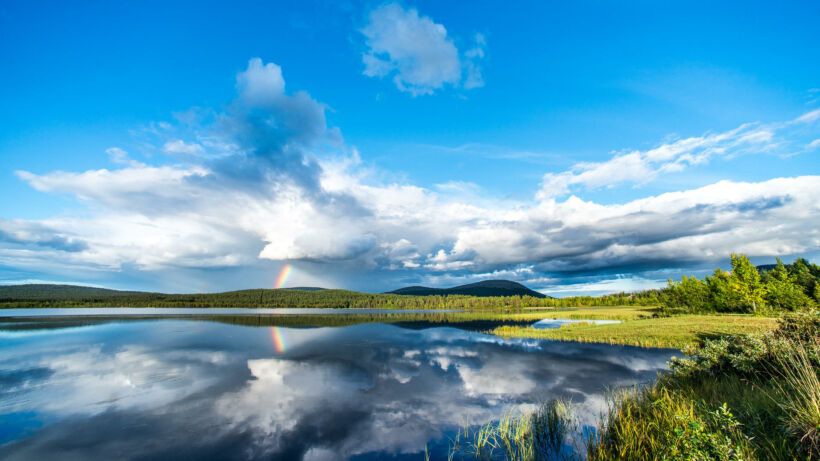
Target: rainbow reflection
x,y
278,340
283,276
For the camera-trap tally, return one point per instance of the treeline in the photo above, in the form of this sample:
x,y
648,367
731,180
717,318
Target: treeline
x,y
746,289
52,297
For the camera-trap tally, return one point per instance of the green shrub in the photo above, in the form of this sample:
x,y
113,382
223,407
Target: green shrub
x,y
715,436
741,354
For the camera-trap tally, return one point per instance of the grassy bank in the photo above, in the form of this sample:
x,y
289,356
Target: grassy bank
x,y
743,397
673,332
594,312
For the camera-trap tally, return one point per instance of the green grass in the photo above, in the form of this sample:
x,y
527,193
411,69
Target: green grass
x,y
661,423
672,332
589,312
798,391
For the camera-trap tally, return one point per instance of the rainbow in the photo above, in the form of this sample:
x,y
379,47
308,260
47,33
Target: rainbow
x,y
283,276
278,340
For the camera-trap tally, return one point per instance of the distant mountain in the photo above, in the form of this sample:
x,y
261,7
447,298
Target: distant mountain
x,y
48,291
43,295
484,288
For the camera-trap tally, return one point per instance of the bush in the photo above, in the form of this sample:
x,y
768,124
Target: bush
x,y
740,354
716,436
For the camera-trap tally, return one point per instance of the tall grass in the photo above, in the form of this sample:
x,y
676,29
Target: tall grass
x,y
799,393
658,423
544,434
742,397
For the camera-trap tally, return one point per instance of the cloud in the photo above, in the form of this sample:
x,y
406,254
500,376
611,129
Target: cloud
x,y
117,155
178,146
640,167
271,182
767,218
809,117
23,233
474,78
271,135
260,83
418,52
181,222
120,156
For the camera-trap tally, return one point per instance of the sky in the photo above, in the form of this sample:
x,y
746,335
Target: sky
x,y
575,147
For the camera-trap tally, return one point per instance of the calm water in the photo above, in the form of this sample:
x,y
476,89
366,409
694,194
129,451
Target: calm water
x,y
552,324
188,389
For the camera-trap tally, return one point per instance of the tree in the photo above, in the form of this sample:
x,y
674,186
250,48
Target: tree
x,y
783,291
817,291
805,274
722,297
689,295
745,283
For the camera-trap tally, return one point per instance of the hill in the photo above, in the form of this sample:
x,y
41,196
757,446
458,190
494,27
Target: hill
x,y
78,296
43,291
486,288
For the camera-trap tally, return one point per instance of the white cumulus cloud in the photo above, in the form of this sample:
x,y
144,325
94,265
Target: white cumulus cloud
x,y
418,52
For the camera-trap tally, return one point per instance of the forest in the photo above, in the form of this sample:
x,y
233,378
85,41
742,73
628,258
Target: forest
x,y
60,296
746,289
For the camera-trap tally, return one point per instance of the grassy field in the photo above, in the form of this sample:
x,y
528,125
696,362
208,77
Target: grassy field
x,y
590,312
639,329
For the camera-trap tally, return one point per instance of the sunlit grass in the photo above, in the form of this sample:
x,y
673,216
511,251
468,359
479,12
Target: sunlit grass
x,y
659,423
591,313
672,332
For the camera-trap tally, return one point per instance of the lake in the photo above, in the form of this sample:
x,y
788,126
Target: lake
x,y
197,389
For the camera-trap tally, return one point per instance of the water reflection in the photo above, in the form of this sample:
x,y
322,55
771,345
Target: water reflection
x,y
177,389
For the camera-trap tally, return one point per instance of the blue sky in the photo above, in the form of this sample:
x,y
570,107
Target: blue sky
x,y
578,148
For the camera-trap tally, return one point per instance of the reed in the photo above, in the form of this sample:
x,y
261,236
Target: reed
x,y
543,434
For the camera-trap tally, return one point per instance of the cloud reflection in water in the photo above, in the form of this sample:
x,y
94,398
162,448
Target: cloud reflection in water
x,y
176,389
